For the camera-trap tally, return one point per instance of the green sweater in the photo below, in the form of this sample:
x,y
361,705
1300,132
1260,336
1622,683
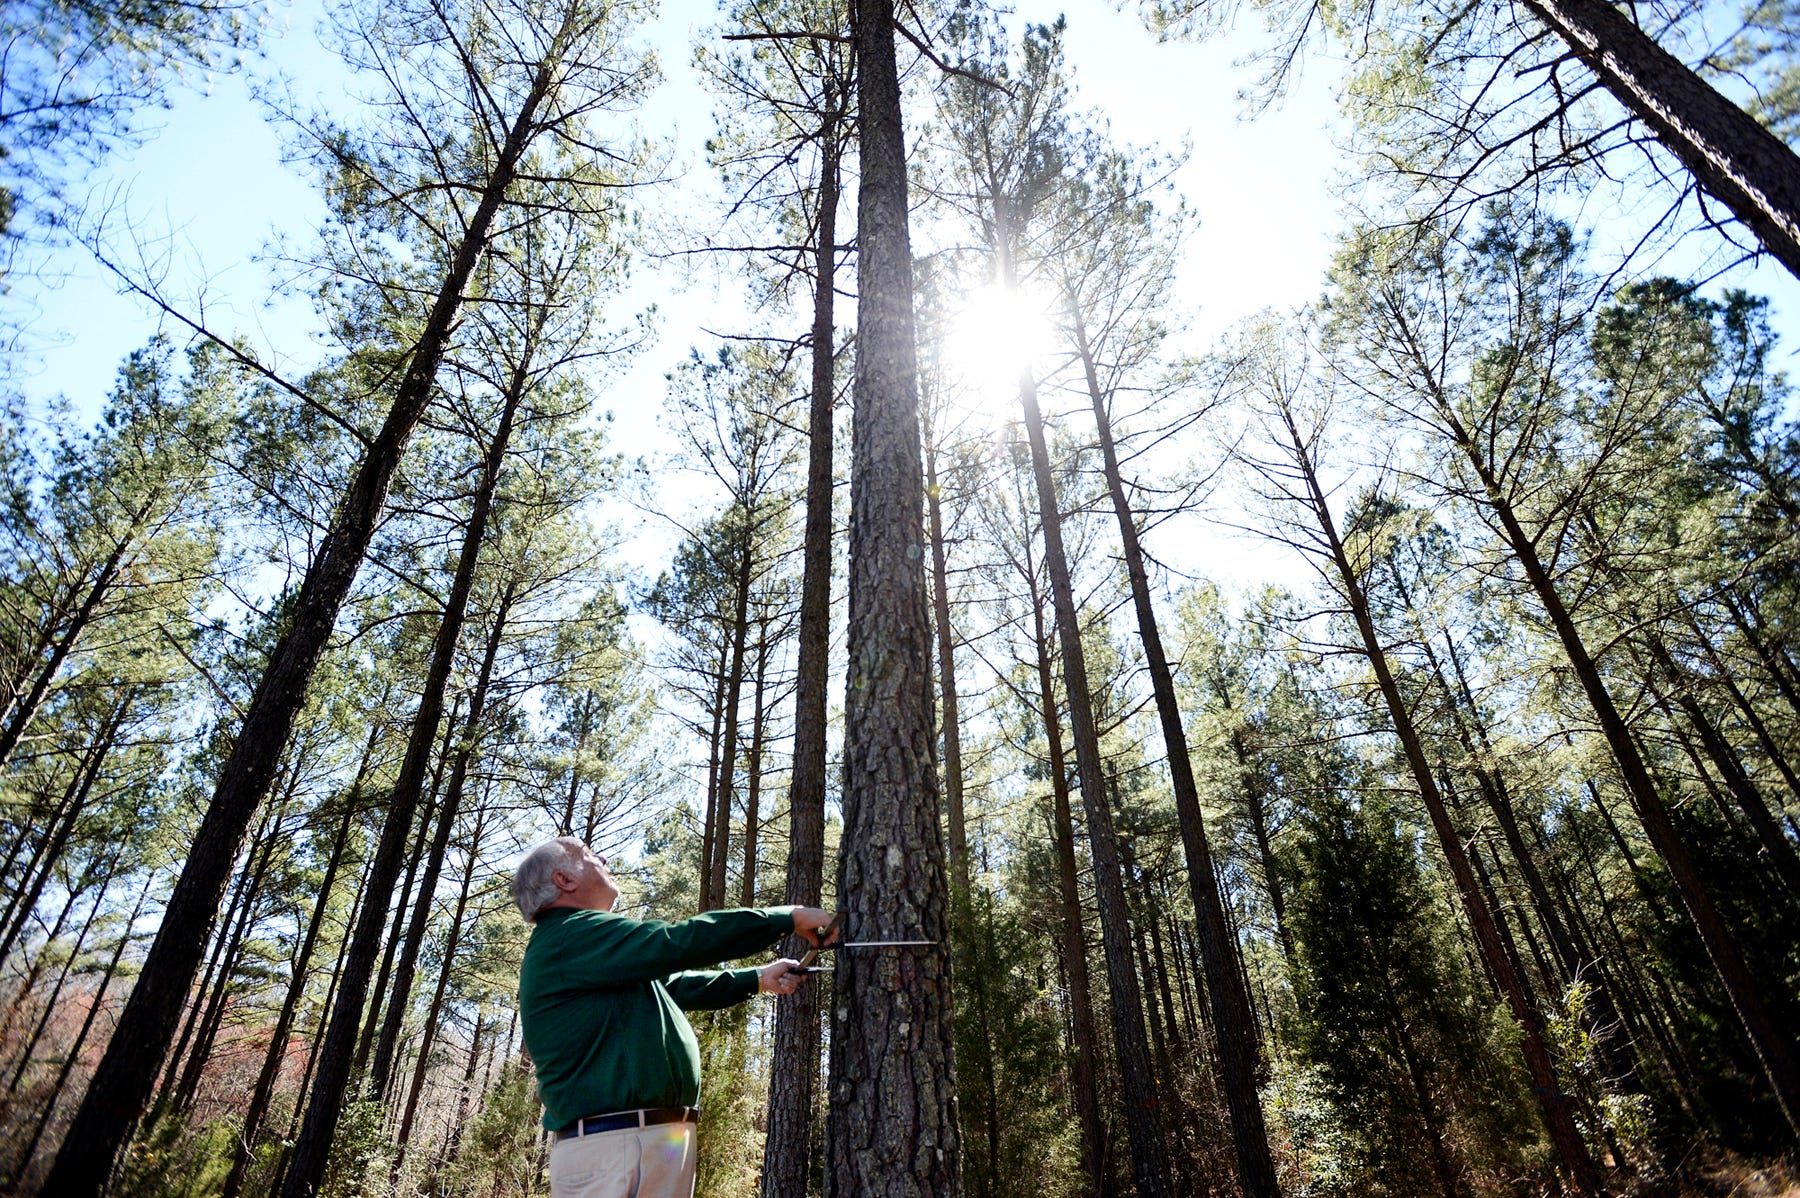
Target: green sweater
x,y
601,998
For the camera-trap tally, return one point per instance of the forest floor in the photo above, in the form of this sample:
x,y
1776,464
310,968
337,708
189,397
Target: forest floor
x,y
1741,1179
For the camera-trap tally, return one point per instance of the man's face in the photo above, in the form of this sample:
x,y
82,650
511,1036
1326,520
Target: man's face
x,y
586,882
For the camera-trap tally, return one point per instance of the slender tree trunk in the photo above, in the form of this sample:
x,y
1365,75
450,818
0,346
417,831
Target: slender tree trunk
x,y
68,811
947,696
1781,671
1741,164
434,1012
1265,849
1081,1001
23,1168
51,1004
1428,1108
584,719
399,990
1558,1119
739,638
1752,717
892,1128
753,771
285,1159
1773,1046
21,715
276,1055
333,1078
182,1100
1219,953
1149,1151
216,962
1472,732
401,900
134,1055
793,1081
1776,847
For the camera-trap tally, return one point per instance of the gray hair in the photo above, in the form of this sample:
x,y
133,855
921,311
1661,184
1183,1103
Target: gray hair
x,y
532,884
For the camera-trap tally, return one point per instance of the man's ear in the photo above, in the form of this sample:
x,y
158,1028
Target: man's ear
x,y
562,879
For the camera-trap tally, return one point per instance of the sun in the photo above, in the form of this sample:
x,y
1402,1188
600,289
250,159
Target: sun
x,y
992,336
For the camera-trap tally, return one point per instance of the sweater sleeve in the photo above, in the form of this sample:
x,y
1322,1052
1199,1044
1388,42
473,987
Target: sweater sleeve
x,y
607,950
711,989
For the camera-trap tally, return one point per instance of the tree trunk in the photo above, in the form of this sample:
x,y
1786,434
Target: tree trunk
x,y
710,825
1772,1044
892,1127
1558,1120
1149,1151
399,989
739,637
276,1055
1085,1082
188,1086
1782,858
1743,165
28,1050
1218,952
23,1168
68,811
134,1055
217,962
947,696
1265,850
794,1078
26,710
434,1012
401,900
753,771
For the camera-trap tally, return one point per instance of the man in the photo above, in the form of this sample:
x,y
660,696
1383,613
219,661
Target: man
x,y
601,998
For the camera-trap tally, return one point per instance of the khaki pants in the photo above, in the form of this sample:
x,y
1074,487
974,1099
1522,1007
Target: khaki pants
x,y
633,1162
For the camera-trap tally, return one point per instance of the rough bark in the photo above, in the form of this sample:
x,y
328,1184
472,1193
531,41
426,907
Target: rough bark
x,y
1741,164
892,1128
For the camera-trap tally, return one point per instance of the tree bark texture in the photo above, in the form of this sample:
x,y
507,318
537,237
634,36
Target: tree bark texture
x,y
1731,156
892,1128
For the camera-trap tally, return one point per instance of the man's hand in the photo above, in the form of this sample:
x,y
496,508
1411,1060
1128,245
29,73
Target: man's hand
x,y
778,977
815,926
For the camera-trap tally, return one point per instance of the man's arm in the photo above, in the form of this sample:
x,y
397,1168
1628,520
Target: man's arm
x,y
714,989
616,950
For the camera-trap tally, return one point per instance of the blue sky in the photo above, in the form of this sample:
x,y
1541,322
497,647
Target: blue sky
x,y
210,196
